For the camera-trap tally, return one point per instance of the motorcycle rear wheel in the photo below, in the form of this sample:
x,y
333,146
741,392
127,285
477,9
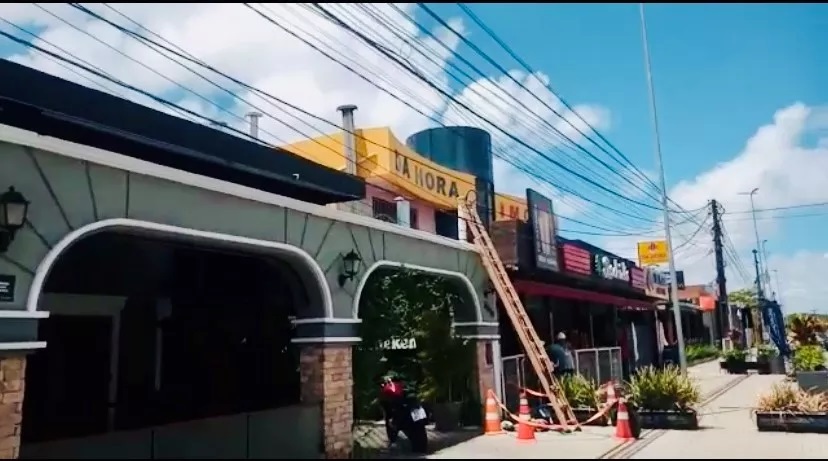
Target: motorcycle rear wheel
x,y
416,434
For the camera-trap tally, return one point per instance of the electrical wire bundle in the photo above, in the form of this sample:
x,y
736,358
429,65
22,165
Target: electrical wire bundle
x,y
565,156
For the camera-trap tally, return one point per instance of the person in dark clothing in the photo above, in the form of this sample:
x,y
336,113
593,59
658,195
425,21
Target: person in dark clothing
x,y
391,388
561,356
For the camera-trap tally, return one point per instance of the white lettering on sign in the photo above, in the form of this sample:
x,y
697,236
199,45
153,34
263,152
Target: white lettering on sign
x,y
397,344
611,268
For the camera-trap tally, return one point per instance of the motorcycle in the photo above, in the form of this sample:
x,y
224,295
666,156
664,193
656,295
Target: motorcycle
x,y
403,413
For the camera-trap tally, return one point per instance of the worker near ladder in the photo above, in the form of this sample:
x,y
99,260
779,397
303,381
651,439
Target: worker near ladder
x,y
561,356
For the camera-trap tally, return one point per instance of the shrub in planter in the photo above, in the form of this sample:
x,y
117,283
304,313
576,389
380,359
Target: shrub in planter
x,y
766,359
809,365
787,408
582,395
665,398
735,361
698,352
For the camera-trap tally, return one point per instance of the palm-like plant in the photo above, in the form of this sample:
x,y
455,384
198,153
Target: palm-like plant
x,y
804,329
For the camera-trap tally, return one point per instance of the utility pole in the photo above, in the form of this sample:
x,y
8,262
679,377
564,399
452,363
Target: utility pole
x,y
723,308
760,297
664,201
759,293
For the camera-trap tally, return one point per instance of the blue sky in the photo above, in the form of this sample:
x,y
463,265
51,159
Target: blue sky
x,y
728,78
721,71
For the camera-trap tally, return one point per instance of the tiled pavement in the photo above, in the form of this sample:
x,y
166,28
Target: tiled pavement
x,y
729,432
590,444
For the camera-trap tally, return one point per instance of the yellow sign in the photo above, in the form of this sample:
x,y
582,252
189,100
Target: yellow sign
x,y
652,253
509,208
426,177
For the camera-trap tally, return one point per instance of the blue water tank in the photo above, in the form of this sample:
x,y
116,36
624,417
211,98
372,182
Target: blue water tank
x,y
461,148
465,149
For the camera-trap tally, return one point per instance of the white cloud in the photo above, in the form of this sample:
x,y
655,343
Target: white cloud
x,y
799,285
240,43
778,161
529,111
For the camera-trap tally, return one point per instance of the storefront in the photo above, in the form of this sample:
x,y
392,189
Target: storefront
x,y
597,299
171,291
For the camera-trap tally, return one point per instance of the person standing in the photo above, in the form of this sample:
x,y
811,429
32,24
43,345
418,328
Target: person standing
x,y
561,356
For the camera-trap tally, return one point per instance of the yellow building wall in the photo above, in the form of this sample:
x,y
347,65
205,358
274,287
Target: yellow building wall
x,y
382,156
509,207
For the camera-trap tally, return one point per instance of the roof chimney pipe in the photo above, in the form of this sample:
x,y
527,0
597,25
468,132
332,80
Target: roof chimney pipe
x,y
349,136
254,124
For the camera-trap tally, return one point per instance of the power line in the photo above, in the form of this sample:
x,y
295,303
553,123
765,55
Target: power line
x,y
782,208
333,18
118,82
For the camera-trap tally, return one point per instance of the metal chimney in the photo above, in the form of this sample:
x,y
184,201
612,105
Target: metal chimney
x,y
254,124
348,131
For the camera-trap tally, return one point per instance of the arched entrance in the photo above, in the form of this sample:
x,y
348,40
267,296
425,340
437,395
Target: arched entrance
x,y
415,323
166,342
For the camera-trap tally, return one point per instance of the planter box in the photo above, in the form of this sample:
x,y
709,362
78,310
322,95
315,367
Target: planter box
x,y
446,416
816,423
812,381
651,419
736,368
583,414
763,366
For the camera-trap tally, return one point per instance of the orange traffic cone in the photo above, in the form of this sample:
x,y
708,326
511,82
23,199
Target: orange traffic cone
x,y
623,430
492,425
526,432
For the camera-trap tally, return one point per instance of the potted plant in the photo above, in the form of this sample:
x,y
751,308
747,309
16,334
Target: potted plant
x,y
445,360
787,408
582,395
809,365
735,361
446,368
664,398
769,361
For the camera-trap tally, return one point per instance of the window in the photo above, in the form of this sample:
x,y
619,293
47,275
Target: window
x,y
387,211
384,210
412,219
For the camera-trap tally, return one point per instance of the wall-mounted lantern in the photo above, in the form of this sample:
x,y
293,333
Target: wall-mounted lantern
x,y
349,267
13,211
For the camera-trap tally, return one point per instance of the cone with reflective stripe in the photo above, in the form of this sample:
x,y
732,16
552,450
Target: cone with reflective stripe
x,y
526,432
623,430
492,424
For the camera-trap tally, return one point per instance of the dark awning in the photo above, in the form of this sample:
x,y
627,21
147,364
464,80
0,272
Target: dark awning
x,y
48,105
558,291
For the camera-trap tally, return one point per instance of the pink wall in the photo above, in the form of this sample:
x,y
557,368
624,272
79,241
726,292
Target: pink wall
x,y
425,212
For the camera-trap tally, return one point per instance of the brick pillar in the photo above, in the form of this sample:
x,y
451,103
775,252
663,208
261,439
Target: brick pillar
x,y
485,368
12,374
327,377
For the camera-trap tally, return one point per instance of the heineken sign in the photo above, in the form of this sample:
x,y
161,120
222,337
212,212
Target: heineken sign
x,y
398,344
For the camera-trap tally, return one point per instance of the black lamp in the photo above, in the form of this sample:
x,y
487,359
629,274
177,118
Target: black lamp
x,y
349,267
13,211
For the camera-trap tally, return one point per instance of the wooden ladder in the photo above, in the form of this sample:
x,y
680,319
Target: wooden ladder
x,y
532,344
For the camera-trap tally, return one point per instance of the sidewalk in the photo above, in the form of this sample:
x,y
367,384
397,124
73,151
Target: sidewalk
x,y
589,444
729,432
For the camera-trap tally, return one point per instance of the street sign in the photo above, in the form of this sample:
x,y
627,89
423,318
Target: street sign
x,y
652,253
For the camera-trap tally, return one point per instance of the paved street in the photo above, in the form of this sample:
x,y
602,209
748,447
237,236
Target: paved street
x,y
729,432
590,444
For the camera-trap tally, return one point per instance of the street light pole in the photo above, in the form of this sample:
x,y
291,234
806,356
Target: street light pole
x,y
753,214
778,289
664,201
766,266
